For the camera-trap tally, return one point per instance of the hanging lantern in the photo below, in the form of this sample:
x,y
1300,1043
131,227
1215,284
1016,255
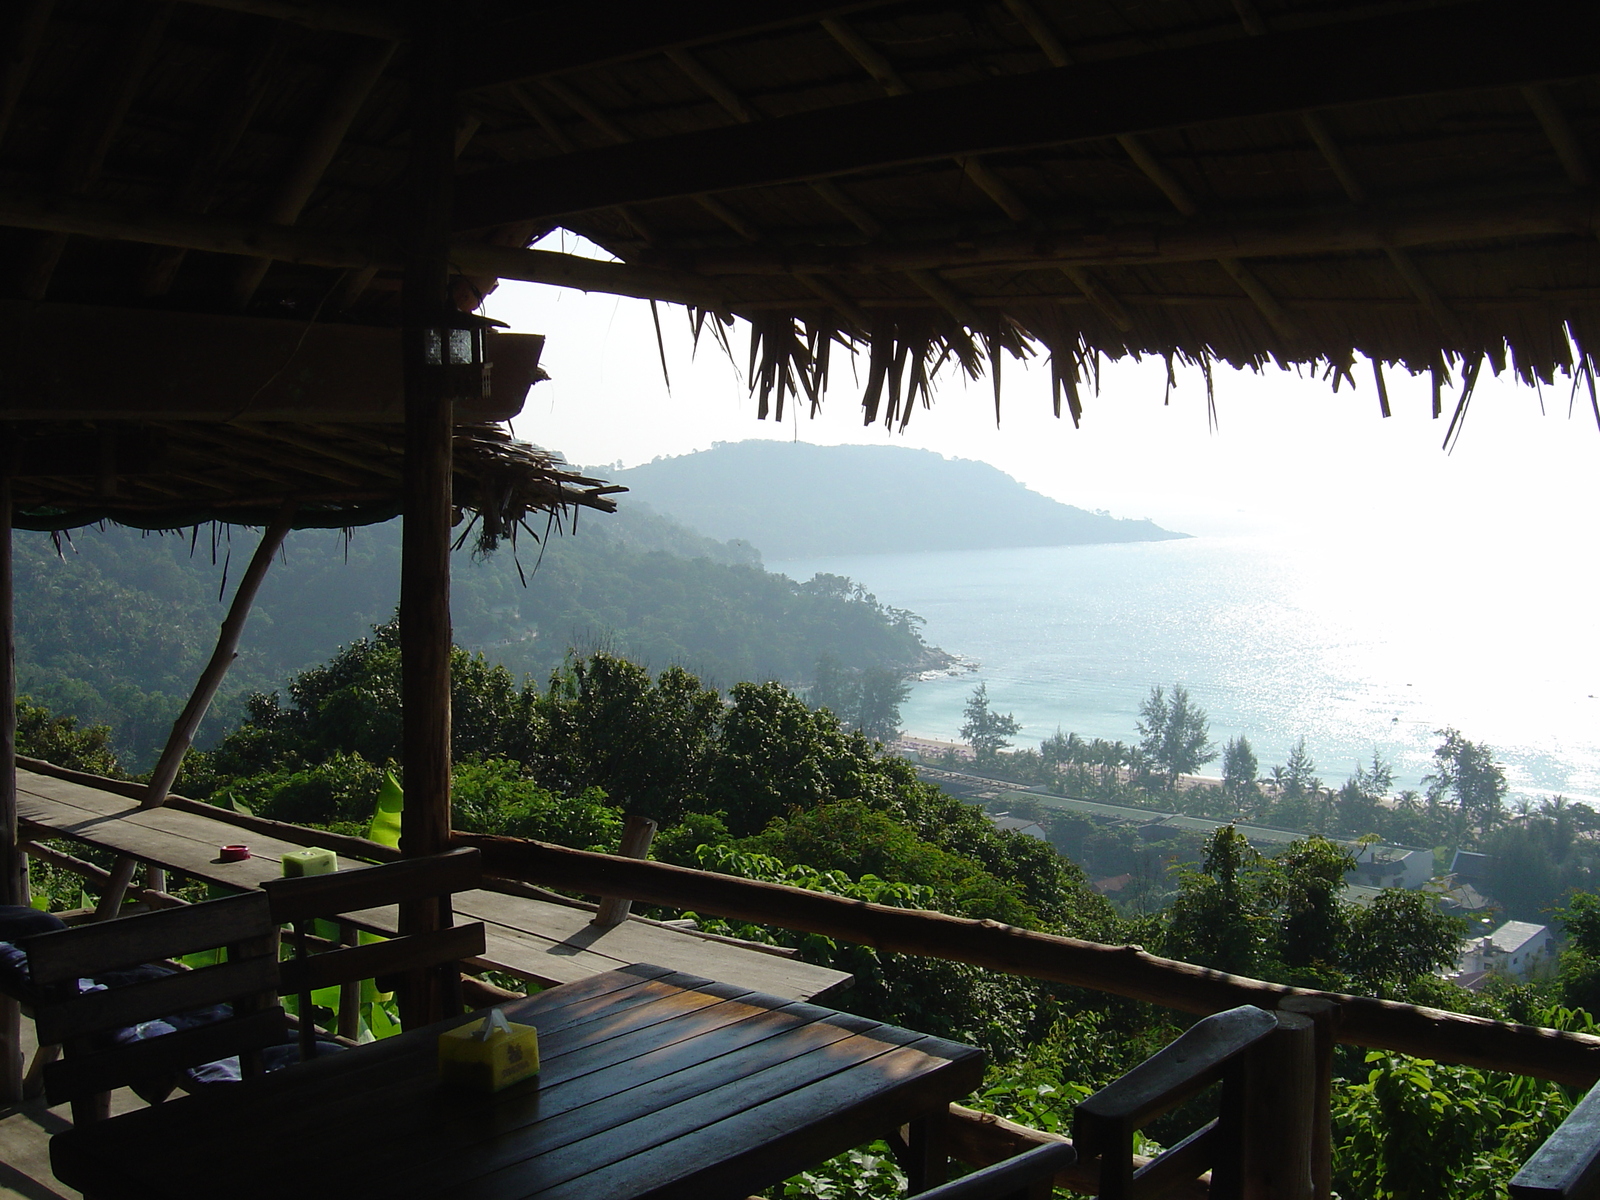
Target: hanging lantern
x,y
455,348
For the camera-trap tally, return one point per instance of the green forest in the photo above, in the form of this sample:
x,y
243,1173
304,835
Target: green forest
x,y
114,625
755,782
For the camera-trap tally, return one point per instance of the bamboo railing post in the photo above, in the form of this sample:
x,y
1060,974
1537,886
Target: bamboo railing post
x,y
1324,1014
205,691
425,634
637,835
1280,1077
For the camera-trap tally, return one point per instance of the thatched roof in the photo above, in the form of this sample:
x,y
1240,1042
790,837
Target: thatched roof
x,y
179,473
1250,182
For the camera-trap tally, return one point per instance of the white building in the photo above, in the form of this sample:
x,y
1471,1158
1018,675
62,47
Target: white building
x,y
1516,949
1005,821
1378,865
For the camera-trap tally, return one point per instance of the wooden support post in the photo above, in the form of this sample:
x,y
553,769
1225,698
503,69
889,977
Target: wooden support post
x,y
11,871
227,649
1277,1117
637,835
425,633
1324,1014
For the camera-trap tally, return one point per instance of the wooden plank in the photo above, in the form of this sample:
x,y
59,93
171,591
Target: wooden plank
x,y
531,1149
817,1113
369,887
437,946
147,937
114,1008
1439,50
81,1075
634,941
549,943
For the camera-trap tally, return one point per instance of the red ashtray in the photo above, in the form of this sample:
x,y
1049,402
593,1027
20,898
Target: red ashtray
x,y
234,853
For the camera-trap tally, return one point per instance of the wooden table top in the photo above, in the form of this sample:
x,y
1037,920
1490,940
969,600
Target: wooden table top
x,y
654,1084
537,940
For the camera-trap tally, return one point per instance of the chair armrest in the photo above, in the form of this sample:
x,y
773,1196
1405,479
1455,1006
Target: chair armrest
x,y
1013,1177
1567,1166
1167,1078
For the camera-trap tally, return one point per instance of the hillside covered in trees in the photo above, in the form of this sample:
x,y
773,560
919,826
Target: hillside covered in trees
x,y
115,628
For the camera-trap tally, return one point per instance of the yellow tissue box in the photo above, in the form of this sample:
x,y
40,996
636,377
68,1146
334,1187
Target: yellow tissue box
x,y
311,861
488,1054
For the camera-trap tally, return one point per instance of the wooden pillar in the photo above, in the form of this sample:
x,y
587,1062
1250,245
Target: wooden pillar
x,y
1324,1013
1279,1112
11,867
425,633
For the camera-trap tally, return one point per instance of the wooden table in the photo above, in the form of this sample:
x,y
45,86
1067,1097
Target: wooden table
x,y
654,1084
549,943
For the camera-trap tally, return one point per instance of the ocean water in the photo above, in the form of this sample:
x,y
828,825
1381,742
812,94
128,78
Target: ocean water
x,y
1354,647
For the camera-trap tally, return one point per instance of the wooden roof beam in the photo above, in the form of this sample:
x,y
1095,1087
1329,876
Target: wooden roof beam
x,y
1096,292
1454,47
1404,265
80,362
284,244
97,129
333,18
550,40
317,152
1147,244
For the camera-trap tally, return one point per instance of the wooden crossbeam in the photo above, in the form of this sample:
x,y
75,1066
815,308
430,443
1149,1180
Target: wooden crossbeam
x,y
551,39
284,244
81,362
1438,50
1343,232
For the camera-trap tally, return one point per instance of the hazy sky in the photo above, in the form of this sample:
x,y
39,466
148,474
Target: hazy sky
x,y
1287,452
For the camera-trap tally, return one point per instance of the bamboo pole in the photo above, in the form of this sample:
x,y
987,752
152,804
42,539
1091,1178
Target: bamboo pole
x,y
227,649
1569,1058
425,633
11,873
205,691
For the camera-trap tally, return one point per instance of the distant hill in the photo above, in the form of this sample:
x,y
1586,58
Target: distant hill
x,y
116,628
796,500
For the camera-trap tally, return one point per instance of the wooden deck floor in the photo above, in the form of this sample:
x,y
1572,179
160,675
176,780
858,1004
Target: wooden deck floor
x,y
546,942
25,1131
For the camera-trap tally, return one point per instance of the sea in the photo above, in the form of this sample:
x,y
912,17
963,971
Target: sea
x,y
1358,648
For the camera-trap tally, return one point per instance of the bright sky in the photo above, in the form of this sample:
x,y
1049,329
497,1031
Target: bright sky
x,y
1287,451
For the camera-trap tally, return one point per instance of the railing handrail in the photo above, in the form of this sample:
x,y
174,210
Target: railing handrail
x,y
1569,1058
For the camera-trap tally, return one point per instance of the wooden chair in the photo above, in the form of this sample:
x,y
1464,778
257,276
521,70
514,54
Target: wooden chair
x,y
1029,1176
1234,1048
1567,1166
83,1023
300,902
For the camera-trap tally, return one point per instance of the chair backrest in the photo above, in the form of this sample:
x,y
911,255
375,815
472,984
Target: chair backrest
x,y
300,901
84,1022
1029,1176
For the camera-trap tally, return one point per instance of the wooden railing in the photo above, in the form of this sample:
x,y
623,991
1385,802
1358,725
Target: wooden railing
x,y
1570,1058
1568,1167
